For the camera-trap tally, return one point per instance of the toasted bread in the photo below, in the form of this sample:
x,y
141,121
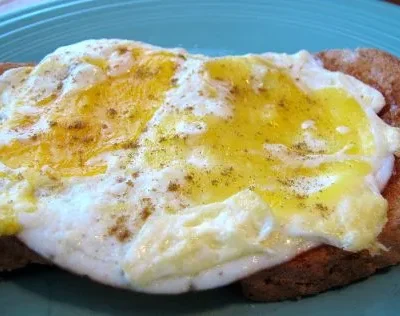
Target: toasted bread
x,y
324,267
14,254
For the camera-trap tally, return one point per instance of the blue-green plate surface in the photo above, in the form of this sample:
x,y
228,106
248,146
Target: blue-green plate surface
x,y
210,27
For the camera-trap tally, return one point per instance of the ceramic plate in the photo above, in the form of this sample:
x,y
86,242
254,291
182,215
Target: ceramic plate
x,y
210,27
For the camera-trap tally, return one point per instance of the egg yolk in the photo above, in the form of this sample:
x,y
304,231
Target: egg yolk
x,y
106,117
268,112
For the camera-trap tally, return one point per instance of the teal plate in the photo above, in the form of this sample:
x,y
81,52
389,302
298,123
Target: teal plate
x,y
215,28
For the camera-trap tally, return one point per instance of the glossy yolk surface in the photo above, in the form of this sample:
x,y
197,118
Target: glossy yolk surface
x,y
267,112
108,116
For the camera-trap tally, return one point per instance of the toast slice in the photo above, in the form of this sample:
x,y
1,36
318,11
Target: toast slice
x,y
326,266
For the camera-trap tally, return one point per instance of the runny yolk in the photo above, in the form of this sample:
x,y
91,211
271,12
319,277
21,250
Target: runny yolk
x,y
108,116
268,111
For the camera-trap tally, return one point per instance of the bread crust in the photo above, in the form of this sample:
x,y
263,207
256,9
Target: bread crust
x,y
324,267
6,66
14,254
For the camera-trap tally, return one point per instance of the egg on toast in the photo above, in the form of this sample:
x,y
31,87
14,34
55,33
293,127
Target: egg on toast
x,y
161,171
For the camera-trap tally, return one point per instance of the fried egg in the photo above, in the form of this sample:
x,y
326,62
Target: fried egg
x,y
161,171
